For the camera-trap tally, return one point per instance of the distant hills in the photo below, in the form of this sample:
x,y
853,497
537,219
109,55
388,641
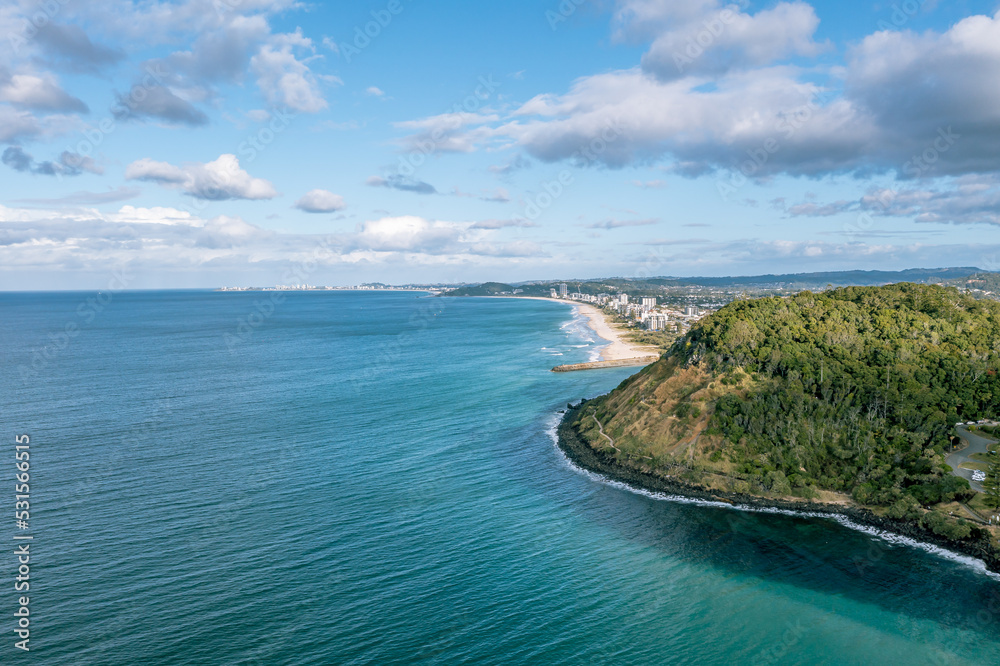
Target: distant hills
x,y
485,289
792,282
837,278
980,285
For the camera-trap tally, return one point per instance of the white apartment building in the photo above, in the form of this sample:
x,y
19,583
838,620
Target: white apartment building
x,y
657,322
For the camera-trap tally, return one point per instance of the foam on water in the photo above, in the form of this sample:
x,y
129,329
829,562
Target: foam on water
x,y
552,429
578,328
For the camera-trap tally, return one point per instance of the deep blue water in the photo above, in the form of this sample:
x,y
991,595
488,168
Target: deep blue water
x,y
371,478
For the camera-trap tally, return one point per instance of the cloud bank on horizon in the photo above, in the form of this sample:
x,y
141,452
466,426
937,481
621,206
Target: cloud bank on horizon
x,y
528,140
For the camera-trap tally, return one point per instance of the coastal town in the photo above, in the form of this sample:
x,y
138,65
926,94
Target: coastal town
x,y
641,312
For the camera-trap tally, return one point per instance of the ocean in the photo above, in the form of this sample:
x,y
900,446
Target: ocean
x,y
372,478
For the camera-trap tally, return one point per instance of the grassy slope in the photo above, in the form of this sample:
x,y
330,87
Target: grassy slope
x,y
660,421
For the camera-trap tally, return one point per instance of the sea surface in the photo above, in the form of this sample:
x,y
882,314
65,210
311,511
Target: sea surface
x,y
371,478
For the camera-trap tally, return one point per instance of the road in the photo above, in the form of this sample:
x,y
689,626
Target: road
x,y
977,444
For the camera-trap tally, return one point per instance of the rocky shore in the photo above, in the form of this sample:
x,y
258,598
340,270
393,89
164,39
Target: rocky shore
x,y
605,464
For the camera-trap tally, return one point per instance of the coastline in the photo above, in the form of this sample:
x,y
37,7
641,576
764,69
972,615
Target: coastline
x,y
617,349
605,465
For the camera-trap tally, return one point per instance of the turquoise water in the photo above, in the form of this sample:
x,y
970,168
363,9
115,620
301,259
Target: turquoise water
x,y
362,478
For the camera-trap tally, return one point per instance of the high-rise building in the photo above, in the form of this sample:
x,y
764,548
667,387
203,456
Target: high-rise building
x,y
657,322
648,303
563,290
623,299
691,311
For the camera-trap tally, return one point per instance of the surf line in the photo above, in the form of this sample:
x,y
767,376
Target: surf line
x,y
889,537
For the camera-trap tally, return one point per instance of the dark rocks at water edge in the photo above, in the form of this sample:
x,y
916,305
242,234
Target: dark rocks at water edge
x,y
605,464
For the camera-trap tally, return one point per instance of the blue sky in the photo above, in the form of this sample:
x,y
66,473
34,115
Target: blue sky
x,y
224,142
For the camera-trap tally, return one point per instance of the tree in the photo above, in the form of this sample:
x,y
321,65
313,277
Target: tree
x,y
851,390
992,485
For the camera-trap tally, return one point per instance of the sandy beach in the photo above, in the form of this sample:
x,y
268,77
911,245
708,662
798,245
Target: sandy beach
x,y
619,348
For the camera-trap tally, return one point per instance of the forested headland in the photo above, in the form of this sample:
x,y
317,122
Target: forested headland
x,y
848,397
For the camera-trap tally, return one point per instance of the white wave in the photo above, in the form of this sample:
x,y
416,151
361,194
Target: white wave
x,y
891,538
578,329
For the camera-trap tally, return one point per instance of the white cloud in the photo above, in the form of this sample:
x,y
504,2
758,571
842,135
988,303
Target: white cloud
x,y
284,80
973,199
160,102
16,124
221,54
375,92
448,132
38,92
157,172
415,235
643,19
401,183
517,163
721,37
225,41
68,47
67,164
219,180
220,40
618,224
916,85
156,23
408,233
920,105
503,224
812,209
158,241
320,201
155,215
628,117
329,43
650,184
227,232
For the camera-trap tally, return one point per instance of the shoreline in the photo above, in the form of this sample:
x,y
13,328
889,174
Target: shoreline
x,y
605,465
617,349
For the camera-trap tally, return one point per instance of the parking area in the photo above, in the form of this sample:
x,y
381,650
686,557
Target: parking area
x,y
977,444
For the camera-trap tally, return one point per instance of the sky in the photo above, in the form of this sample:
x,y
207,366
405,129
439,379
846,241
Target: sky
x,y
208,143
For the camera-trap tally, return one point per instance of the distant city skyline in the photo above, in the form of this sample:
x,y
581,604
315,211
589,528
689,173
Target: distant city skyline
x,y
211,143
